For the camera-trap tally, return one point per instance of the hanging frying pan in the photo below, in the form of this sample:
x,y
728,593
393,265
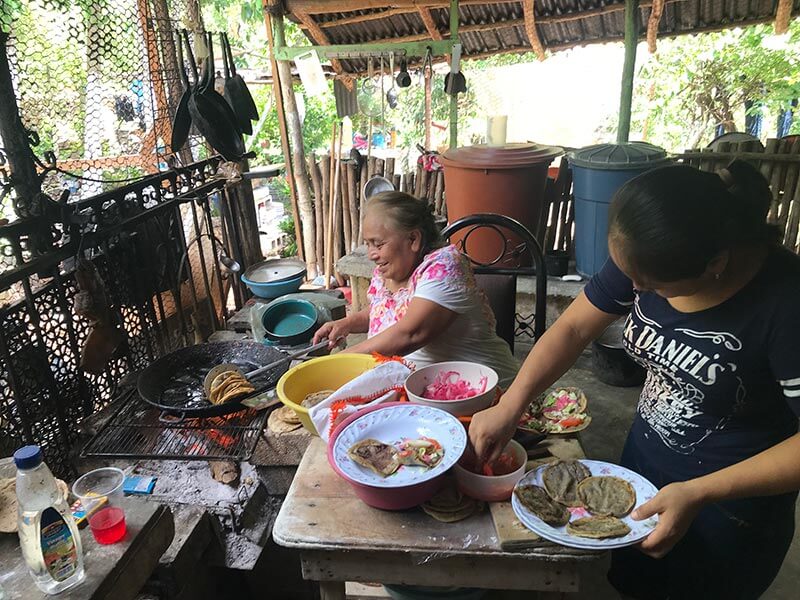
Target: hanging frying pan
x,y
244,99
174,382
183,120
232,92
211,114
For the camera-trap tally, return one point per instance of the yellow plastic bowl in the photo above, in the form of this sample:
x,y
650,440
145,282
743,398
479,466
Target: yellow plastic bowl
x,y
317,374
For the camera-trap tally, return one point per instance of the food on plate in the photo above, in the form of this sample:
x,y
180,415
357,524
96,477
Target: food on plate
x,y
449,385
423,452
561,481
561,411
228,386
382,458
598,527
449,505
315,398
607,496
283,420
536,500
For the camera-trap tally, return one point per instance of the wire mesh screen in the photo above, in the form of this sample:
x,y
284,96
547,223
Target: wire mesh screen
x,y
97,84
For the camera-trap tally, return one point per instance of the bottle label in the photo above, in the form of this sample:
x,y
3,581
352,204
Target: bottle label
x,y
58,546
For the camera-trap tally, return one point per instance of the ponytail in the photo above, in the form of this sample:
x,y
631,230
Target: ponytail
x,y
672,221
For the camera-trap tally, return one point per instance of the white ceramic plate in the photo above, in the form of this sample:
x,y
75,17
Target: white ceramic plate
x,y
393,424
639,529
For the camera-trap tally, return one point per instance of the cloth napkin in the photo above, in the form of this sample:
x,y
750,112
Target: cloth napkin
x,y
384,383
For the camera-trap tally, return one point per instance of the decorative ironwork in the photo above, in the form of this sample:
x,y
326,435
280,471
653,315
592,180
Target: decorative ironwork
x,y
519,255
137,236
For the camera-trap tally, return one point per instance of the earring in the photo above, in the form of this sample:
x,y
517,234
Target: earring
x,y
717,276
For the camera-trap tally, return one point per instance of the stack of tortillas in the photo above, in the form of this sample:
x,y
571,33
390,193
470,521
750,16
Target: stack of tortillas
x,y
8,503
450,505
283,420
229,385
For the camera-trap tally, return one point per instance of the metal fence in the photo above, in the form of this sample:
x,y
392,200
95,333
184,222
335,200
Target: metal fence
x,y
157,245
96,82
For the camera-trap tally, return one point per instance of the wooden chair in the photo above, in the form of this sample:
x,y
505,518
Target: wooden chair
x,y
522,255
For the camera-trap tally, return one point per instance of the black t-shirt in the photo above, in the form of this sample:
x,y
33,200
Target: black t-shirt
x,y
723,384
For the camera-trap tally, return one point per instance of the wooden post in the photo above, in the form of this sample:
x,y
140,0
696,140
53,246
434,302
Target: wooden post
x,y
628,69
246,218
331,211
325,170
319,202
346,222
162,126
352,196
291,128
453,98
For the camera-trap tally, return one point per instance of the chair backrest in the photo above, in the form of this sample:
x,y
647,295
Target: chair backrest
x,y
520,254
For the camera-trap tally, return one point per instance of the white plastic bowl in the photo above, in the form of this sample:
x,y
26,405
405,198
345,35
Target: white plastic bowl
x,y
472,372
492,488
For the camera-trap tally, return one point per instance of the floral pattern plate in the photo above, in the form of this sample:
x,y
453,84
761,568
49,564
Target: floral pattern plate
x,y
393,424
639,529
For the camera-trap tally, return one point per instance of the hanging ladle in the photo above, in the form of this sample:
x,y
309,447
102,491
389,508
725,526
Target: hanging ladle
x,y
391,95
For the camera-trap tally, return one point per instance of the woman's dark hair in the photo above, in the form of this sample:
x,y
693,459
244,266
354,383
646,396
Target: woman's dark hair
x,y
672,221
408,213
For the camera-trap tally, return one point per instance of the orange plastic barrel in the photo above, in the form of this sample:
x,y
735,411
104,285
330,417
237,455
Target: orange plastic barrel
x,y
507,180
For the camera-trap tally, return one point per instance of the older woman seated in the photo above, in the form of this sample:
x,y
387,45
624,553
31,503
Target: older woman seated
x,y
424,303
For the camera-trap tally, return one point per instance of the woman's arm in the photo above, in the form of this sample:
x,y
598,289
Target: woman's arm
x,y
424,320
337,330
549,359
773,471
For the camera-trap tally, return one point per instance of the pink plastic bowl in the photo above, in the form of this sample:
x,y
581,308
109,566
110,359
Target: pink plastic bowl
x,y
398,498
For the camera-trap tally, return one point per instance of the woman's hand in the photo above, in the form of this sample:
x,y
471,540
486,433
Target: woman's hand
x,y
676,505
334,331
489,432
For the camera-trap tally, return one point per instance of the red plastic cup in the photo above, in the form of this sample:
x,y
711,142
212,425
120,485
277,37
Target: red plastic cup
x,y
100,493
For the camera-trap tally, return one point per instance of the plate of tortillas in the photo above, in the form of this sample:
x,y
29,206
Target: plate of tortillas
x,y
584,504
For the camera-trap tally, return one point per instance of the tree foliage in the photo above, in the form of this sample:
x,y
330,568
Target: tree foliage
x,y
694,84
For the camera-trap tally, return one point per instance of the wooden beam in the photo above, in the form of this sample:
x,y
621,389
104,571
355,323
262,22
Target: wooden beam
x,y
319,37
529,12
427,18
628,70
318,7
480,27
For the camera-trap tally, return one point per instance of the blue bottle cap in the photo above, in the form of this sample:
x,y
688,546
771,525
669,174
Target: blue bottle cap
x,y
28,457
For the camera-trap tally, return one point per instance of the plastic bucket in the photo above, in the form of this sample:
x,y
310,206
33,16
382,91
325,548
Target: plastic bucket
x,y
593,190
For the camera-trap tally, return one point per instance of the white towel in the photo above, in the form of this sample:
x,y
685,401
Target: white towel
x,y
382,380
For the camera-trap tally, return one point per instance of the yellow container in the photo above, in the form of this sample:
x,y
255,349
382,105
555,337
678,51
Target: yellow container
x,y
317,374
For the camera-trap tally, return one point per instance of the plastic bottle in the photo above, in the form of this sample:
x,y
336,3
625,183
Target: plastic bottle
x,y
48,535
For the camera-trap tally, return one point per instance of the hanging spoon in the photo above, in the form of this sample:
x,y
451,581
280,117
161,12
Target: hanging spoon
x,y
391,95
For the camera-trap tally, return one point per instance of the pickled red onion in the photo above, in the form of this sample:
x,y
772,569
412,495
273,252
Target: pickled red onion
x,y
450,386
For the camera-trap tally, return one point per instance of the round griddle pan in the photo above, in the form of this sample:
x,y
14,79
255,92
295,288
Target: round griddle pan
x,y
174,382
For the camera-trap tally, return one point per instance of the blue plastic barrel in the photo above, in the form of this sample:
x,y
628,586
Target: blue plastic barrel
x,y
597,173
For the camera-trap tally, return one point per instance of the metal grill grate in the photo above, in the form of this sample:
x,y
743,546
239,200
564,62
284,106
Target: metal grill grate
x,y
138,431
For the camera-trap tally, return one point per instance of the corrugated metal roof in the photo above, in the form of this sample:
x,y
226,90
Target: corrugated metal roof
x,y
602,21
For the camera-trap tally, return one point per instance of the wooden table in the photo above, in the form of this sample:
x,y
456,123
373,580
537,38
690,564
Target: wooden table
x,y
342,539
113,572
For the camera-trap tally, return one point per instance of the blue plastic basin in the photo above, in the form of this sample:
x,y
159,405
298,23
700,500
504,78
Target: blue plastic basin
x,y
290,322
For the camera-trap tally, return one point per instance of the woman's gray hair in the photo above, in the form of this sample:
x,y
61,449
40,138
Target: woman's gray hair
x,y
407,214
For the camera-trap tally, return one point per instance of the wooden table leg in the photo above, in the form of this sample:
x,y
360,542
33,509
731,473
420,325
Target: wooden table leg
x,y
331,590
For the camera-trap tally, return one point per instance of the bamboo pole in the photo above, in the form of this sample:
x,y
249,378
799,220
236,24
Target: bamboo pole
x,y
337,209
325,178
284,99
628,70
454,97
319,220
355,219
347,227
331,212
